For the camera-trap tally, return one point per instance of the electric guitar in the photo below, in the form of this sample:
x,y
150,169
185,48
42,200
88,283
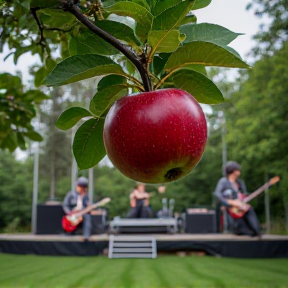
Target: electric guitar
x,y
236,212
71,221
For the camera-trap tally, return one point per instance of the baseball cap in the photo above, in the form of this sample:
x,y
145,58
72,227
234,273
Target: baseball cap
x,y
231,166
82,181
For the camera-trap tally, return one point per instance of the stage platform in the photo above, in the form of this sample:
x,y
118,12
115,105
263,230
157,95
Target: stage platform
x,y
157,225
220,245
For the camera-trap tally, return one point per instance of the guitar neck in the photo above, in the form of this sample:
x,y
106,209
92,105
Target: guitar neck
x,y
88,209
256,193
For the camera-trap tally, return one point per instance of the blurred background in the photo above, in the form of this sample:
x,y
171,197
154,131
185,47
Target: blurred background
x,y
251,127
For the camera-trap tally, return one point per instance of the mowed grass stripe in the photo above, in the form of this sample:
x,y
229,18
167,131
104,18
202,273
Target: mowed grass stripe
x,y
77,277
93,274
112,273
263,265
15,262
131,272
163,272
244,273
150,277
63,272
43,271
182,273
204,276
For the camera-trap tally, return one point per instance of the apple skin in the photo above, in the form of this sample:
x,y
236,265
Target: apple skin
x,y
157,136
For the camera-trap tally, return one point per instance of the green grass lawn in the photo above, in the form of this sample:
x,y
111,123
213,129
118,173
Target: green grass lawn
x,y
165,271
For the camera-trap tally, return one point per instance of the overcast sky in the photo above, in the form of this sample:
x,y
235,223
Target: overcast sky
x,y
228,13
232,14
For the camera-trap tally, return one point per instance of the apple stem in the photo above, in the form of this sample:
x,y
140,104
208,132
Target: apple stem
x,y
140,63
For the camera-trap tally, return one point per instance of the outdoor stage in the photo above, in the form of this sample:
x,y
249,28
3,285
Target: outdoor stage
x,y
220,245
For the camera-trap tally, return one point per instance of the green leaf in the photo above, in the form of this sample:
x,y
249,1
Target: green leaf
x,y
39,77
168,40
21,50
35,96
70,117
44,71
120,31
189,19
45,3
139,13
163,5
88,146
86,42
56,18
79,67
142,3
109,81
10,142
209,33
49,64
105,98
159,62
198,68
230,49
5,125
172,17
129,67
204,53
21,141
9,82
201,4
33,135
164,41
199,86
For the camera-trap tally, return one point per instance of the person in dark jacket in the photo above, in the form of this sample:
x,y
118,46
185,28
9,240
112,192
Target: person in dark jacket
x,y
75,201
227,192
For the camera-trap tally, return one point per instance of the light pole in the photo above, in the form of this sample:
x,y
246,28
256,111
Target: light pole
x,y
35,183
74,170
267,209
224,132
224,161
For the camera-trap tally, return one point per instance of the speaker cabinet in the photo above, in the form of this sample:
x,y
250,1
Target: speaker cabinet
x,y
99,221
49,219
200,222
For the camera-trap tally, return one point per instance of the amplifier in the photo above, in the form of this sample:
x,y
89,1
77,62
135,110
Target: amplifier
x,y
49,219
99,221
200,221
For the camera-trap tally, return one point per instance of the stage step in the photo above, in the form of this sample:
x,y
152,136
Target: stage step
x,y
132,247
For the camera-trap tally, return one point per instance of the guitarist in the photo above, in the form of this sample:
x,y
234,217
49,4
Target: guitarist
x,y
227,191
76,201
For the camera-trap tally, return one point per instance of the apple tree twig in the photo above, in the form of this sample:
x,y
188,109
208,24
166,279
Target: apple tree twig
x,y
72,7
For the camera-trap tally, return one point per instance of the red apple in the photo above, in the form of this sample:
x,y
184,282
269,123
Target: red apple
x,y
157,136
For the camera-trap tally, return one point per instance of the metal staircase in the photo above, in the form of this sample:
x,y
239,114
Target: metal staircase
x,y
132,247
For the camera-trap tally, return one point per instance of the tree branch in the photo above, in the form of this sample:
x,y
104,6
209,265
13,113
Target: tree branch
x,y
33,11
138,62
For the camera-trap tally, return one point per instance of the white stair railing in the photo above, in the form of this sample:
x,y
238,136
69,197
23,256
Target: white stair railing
x,y
132,247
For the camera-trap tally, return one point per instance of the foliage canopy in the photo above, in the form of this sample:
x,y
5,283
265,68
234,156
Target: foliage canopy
x,y
17,109
134,45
